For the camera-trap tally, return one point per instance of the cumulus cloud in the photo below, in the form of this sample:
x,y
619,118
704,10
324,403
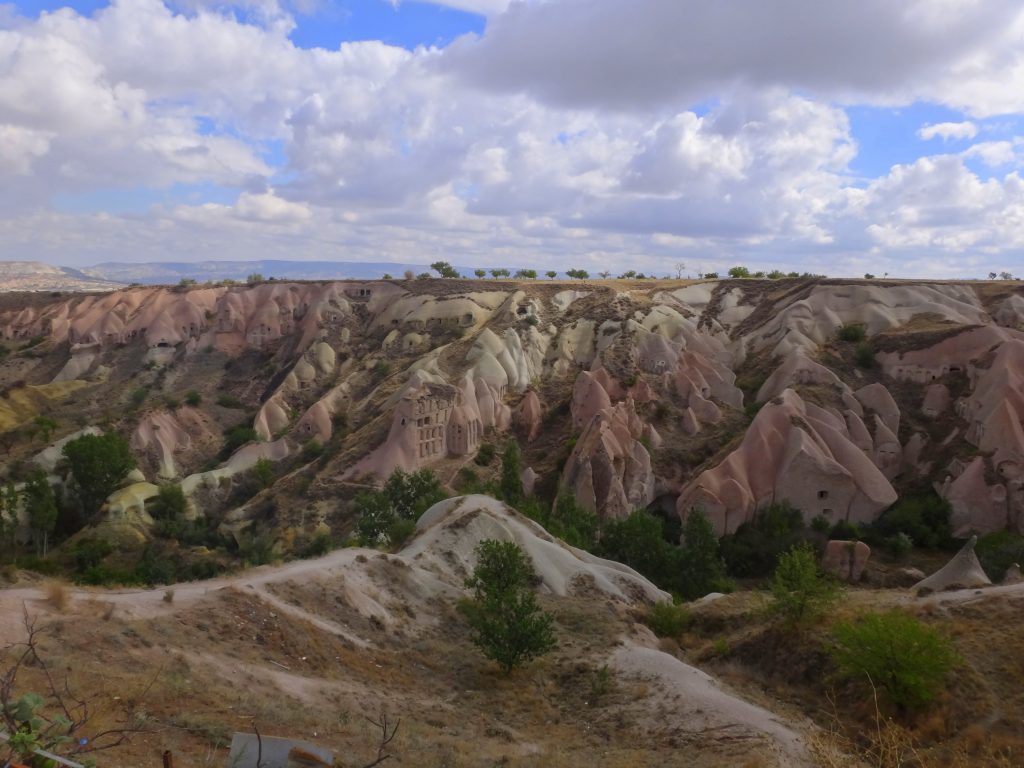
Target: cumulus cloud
x,y
947,131
567,132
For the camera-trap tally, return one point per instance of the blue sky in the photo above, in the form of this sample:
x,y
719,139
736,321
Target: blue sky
x,y
826,137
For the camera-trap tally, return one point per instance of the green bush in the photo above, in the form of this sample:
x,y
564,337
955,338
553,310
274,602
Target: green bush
x,y
864,355
235,438
263,471
230,401
998,551
801,592
511,468
570,521
852,332
508,625
98,464
403,497
312,450
898,545
667,619
90,552
702,568
381,369
485,454
170,503
753,550
895,653
193,398
924,518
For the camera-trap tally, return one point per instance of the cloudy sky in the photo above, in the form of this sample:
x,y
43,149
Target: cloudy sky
x,y
832,136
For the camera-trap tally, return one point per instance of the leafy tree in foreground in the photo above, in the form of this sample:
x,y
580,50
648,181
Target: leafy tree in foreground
x,y
98,464
508,625
511,468
896,653
802,592
701,561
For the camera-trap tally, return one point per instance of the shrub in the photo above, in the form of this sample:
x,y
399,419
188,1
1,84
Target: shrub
x,y
319,545
998,551
896,653
852,332
56,594
802,592
263,471
193,398
511,469
924,518
89,553
864,355
230,401
381,369
485,455
899,545
508,625
700,559
754,549
403,497
235,438
667,619
312,450
400,531
171,503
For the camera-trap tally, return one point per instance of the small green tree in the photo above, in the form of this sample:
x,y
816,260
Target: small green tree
x,y
193,398
480,273
526,274
508,624
44,425
552,274
444,269
511,469
739,272
500,273
98,464
702,564
577,274
404,497
897,653
263,471
170,504
254,279
41,509
802,592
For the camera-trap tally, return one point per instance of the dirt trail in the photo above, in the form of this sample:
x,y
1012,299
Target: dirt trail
x,y
149,603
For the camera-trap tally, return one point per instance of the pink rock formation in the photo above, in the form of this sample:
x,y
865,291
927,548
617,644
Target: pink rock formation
x,y
162,434
589,397
528,415
793,451
976,506
609,470
875,397
936,400
846,559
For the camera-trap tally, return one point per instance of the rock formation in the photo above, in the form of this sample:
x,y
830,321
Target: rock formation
x,y
846,559
962,572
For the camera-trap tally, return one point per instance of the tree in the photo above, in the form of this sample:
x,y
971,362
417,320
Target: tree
x,y
895,652
868,276
409,274
171,503
992,275
254,279
702,564
98,464
628,275
41,509
404,497
801,591
1005,276
739,272
480,273
263,471
710,275
551,274
604,274
577,274
511,469
444,269
193,398
680,269
387,276
508,625
500,273
526,274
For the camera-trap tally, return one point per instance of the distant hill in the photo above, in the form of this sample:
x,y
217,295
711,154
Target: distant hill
x,y
173,272
36,276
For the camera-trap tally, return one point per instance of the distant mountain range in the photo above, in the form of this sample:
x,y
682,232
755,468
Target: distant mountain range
x,y
172,272
36,276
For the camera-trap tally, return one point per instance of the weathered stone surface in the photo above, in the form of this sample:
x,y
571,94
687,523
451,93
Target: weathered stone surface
x,y
846,559
963,571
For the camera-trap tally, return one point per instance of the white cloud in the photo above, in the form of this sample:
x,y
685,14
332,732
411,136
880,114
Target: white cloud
x,y
947,131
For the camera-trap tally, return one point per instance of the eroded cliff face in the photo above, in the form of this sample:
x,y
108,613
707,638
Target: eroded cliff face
x,y
725,395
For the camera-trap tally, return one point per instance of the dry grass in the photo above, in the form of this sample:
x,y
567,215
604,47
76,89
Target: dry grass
x,y
57,594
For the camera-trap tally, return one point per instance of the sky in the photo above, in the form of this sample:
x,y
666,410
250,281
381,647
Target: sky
x,y
832,137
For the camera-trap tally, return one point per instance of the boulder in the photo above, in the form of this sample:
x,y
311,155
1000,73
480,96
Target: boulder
x,y
1012,575
962,572
846,559
528,478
